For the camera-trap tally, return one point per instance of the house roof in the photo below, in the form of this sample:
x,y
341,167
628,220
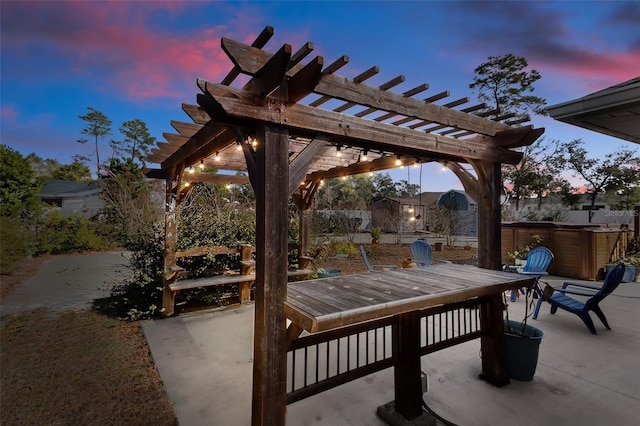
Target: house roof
x,y
469,199
614,111
67,188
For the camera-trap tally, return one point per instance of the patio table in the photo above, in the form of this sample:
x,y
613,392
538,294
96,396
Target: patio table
x,y
330,303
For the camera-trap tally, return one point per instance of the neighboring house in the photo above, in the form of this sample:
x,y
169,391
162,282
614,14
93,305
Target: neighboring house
x,y
72,197
412,214
466,209
554,202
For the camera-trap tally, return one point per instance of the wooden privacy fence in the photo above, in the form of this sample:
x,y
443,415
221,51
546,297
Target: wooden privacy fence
x,y
580,251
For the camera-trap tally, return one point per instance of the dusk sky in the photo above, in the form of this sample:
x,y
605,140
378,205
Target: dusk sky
x,y
141,59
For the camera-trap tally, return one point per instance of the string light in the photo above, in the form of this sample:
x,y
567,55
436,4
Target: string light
x,y
192,169
364,157
201,164
338,153
217,156
398,162
239,147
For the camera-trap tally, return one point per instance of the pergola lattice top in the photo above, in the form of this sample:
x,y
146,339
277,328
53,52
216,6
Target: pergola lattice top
x,y
363,119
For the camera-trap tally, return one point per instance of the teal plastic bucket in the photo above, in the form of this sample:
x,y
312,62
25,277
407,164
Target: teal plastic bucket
x,y
328,272
521,351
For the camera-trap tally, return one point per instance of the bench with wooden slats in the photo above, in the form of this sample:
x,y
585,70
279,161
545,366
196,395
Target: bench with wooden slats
x,y
244,277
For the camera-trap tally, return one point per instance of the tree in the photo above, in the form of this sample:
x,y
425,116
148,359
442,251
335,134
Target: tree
x,y
384,187
599,174
43,169
137,141
18,184
77,171
625,184
406,189
536,174
98,127
503,83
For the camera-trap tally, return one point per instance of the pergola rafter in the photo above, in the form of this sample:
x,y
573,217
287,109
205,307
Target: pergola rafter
x,y
297,143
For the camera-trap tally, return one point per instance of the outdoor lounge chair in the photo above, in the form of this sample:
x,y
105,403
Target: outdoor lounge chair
x,y
538,260
559,298
374,268
421,254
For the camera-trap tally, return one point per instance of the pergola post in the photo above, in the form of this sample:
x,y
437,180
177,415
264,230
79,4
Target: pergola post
x,y
270,344
172,192
489,214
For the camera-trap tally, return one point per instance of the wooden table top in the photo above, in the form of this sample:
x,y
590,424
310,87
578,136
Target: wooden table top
x,y
324,304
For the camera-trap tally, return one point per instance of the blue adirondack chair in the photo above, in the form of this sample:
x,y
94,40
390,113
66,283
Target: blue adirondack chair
x,y
559,298
373,268
538,260
421,254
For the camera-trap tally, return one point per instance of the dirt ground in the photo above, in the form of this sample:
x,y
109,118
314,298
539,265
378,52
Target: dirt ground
x,y
392,254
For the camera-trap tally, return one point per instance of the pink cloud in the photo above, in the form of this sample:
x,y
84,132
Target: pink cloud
x,y
117,45
8,112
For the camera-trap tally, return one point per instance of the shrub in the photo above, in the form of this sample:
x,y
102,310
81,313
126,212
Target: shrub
x,y
57,233
15,242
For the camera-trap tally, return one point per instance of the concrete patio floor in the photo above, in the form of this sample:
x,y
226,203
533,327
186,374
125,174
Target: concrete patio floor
x,y
205,362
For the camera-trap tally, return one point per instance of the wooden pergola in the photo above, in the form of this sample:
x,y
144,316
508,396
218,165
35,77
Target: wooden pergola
x,y
294,123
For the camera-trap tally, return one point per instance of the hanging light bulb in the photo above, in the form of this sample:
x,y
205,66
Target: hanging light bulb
x,y
338,153
411,210
364,156
412,219
186,184
370,173
201,164
192,169
254,142
239,147
217,156
398,162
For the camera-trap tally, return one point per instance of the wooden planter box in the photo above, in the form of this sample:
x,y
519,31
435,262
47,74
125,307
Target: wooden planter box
x,y
581,251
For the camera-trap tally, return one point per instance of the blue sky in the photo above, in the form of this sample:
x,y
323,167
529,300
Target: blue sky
x,y
141,59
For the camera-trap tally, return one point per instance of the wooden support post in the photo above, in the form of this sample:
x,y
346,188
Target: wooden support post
x,y
406,367
494,368
246,267
489,214
170,242
270,339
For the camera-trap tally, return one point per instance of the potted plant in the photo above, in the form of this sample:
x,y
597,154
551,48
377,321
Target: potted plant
x,y
631,262
318,254
518,257
376,233
521,342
